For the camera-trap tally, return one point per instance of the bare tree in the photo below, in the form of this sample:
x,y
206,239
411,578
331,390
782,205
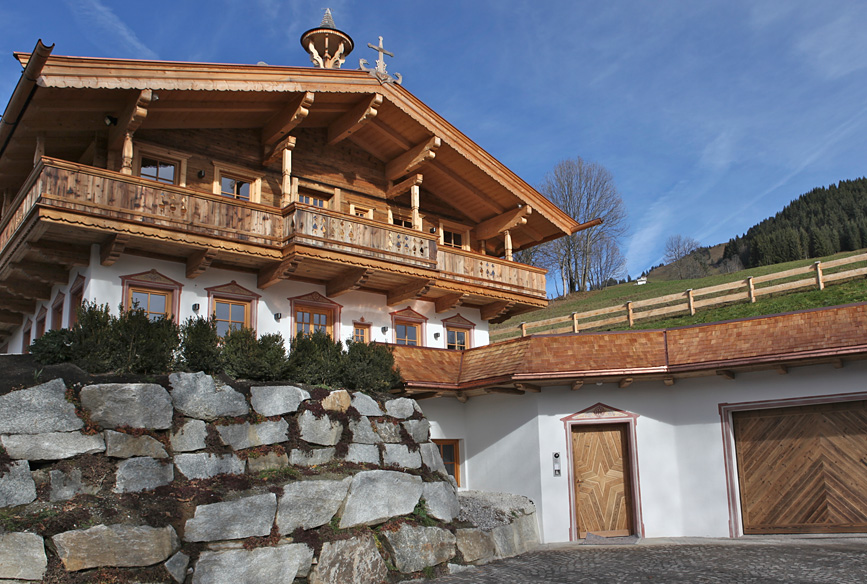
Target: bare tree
x,y
606,263
586,191
677,251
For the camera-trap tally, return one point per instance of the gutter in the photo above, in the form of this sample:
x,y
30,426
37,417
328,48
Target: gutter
x,y
23,93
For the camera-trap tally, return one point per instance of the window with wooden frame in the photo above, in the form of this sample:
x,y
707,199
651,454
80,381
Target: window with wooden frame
x,y
40,322
57,311
237,183
408,327
312,200
360,331
314,313
450,452
459,332
400,217
454,235
152,292
26,336
233,307
161,164
76,299
360,211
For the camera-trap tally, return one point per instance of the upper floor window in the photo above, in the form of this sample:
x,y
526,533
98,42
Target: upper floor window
x,y
155,294
453,238
161,164
459,332
235,187
311,200
396,220
159,170
360,211
236,182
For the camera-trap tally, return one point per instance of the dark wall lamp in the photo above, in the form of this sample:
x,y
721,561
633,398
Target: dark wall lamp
x,y
384,329
278,316
195,307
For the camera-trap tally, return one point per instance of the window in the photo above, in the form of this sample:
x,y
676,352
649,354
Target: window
x,y
57,312
152,292
408,327
361,332
236,182
159,170
161,164
395,220
311,200
458,332
76,299
26,333
452,239
40,322
314,313
451,455
231,315
155,303
233,307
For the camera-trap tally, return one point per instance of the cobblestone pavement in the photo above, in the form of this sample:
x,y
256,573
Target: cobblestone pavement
x,y
781,560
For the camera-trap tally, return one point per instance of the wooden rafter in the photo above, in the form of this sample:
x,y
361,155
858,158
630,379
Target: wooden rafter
x,y
625,382
200,261
495,309
27,289
449,301
390,133
353,120
349,280
496,225
529,387
410,291
470,189
288,118
270,275
9,317
112,248
274,153
48,273
411,160
403,186
66,254
504,390
131,118
16,304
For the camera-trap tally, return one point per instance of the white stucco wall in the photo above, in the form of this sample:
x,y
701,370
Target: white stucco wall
x,y
509,441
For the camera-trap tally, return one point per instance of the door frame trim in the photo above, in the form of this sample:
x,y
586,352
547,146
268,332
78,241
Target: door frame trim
x,y
601,414
733,491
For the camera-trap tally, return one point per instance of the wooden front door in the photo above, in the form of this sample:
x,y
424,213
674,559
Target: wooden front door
x,y
603,494
803,469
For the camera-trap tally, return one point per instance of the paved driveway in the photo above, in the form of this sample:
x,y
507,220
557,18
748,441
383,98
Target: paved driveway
x,y
780,559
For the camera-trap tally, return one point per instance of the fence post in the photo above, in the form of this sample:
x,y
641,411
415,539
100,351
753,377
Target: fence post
x,y
523,329
819,282
575,322
691,302
629,313
752,289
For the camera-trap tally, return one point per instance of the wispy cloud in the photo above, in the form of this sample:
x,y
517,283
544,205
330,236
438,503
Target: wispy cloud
x,y
104,29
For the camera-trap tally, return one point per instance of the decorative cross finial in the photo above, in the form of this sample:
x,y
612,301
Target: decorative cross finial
x,y
379,71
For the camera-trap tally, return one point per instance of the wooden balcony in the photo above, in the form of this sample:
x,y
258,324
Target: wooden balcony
x,y
67,207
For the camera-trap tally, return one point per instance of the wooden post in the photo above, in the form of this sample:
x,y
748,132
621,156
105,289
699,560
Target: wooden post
x,y
691,302
819,282
508,245
294,191
575,322
523,329
287,177
414,194
126,164
751,292
40,148
337,200
629,313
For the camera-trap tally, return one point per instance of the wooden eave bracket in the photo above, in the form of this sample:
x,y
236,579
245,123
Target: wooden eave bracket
x,y
27,289
288,118
461,397
625,382
131,118
346,282
403,186
727,373
282,270
668,381
528,387
112,248
47,273
353,120
577,384
62,254
495,309
200,261
449,301
409,291
496,225
411,161
16,304
504,390
272,154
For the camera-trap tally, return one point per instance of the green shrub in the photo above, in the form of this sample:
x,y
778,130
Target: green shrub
x,y
316,359
141,345
200,345
369,367
91,337
245,357
54,346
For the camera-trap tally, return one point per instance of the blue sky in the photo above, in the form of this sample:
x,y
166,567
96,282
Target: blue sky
x,y
711,115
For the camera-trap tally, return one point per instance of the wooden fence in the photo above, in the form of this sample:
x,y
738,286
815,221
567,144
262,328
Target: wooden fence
x,y
820,274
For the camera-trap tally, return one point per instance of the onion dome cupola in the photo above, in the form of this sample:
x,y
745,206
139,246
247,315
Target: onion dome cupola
x,y
327,46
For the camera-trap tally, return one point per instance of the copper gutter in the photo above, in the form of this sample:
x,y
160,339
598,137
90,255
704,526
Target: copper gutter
x,y
23,93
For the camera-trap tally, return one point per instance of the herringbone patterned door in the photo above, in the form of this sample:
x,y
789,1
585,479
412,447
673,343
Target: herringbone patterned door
x,y
601,472
803,469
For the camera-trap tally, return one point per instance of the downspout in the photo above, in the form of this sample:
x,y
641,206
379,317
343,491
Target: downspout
x,y
23,93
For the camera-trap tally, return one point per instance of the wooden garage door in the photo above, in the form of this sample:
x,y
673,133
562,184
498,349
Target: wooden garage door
x,y
803,469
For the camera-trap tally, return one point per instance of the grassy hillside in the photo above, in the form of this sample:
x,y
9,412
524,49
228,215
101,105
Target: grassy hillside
x,y
855,291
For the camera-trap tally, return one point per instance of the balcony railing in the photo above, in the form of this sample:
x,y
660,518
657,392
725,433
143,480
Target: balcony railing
x,y
101,193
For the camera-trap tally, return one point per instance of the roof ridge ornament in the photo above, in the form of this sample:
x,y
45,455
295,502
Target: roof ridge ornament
x,y
327,46
379,71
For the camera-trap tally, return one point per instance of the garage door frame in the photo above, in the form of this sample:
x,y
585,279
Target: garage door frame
x,y
730,457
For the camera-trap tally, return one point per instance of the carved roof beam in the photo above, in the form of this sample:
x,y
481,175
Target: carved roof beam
x,y
449,301
388,132
507,221
270,275
16,304
61,253
131,118
353,120
470,189
404,186
411,291
288,118
274,153
27,289
350,280
411,160
200,261
495,309
48,273
112,248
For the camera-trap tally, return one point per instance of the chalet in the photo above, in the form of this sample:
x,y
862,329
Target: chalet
x,y
294,199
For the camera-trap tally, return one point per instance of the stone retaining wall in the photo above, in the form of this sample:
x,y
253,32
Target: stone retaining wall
x,y
198,482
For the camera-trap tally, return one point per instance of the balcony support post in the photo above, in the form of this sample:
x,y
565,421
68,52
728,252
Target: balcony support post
x,y
126,164
415,192
508,244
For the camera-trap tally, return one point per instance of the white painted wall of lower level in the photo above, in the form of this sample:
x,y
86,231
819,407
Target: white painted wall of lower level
x,y
508,441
